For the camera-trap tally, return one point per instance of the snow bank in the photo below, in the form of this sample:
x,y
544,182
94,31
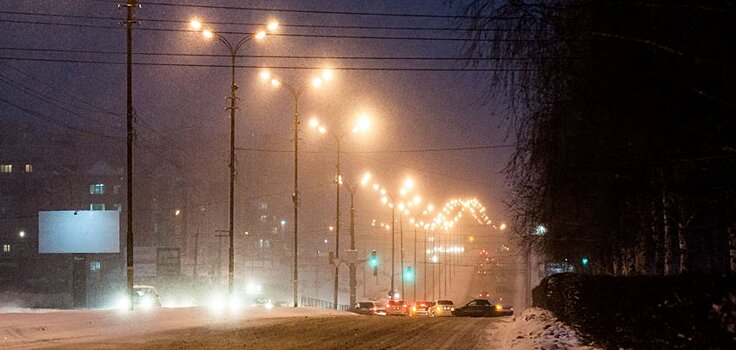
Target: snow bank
x,y
38,328
9,300
537,328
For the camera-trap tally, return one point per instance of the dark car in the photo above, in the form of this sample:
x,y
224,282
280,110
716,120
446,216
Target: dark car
x,y
482,308
365,308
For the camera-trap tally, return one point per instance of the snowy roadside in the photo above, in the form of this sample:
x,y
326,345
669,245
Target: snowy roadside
x,y
535,328
35,329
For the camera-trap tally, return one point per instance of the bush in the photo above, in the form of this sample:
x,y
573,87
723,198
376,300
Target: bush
x,y
684,311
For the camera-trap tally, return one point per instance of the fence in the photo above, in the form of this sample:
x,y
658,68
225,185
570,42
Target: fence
x,y
322,304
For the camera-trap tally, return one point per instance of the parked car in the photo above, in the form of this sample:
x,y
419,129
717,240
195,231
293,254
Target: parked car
x,y
397,307
365,308
146,296
483,308
442,308
420,308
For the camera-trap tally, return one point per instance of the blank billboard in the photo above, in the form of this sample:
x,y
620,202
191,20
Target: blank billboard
x,y
83,231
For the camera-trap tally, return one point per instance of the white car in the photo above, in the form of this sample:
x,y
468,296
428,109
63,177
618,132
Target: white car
x,y
442,308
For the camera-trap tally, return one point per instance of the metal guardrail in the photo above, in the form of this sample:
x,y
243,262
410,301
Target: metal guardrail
x,y
322,304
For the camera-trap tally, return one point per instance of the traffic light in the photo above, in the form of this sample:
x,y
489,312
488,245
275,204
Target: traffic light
x,y
374,262
584,261
409,274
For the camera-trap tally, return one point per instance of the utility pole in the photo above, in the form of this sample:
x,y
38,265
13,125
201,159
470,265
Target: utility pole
x,y
393,247
401,248
130,5
337,228
353,277
415,262
425,264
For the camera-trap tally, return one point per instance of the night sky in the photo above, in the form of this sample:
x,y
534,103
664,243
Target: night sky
x,y
180,104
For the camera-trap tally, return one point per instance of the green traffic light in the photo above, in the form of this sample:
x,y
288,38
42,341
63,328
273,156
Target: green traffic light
x,y
408,274
584,261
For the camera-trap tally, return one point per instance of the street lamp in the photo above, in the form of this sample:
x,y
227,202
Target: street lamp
x,y
296,92
233,50
362,124
394,204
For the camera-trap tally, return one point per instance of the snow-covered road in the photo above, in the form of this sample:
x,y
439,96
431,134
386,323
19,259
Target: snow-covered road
x,y
278,328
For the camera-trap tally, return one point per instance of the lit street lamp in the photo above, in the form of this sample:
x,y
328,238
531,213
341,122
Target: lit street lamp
x,y
296,92
233,50
362,124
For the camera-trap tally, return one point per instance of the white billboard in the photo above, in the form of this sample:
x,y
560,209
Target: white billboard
x,y
82,231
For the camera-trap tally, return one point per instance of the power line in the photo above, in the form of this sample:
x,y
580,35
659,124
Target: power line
x,y
336,57
419,150
51,120
404,69
325,12
286,25
320,36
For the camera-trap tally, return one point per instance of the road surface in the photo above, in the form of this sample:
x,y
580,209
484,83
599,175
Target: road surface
x,y
325,332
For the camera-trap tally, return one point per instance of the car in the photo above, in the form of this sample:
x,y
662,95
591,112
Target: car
x,y
482,308
263,302
365,308
397,307
146,296
442,308
420,308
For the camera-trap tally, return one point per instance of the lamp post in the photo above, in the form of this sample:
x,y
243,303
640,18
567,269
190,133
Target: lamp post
x,y
233,49
362,125
394,204
296,92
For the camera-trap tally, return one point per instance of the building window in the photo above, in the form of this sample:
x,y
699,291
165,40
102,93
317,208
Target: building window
x,y
6,168
118,207
264,218
6,248
28,168
97,206
116,189
95,266
97,189
263,205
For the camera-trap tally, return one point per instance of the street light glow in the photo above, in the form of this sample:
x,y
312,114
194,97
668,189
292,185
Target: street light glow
x,y
273,25
265,75
275,83
327,74
403,191
195,24
313,122
208,33
376,187
409,184
322,129
417,199
365,179
317,82
260,35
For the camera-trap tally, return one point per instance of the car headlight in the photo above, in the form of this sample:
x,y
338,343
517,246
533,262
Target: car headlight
x,y
123,303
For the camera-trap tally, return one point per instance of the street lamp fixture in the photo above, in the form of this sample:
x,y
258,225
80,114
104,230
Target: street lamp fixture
x,y
361,125
233,49
296,92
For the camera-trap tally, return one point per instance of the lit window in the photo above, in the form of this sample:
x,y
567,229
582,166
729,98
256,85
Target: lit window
x,y
28,168
6,168
6,248
97,206
97,189
95,266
